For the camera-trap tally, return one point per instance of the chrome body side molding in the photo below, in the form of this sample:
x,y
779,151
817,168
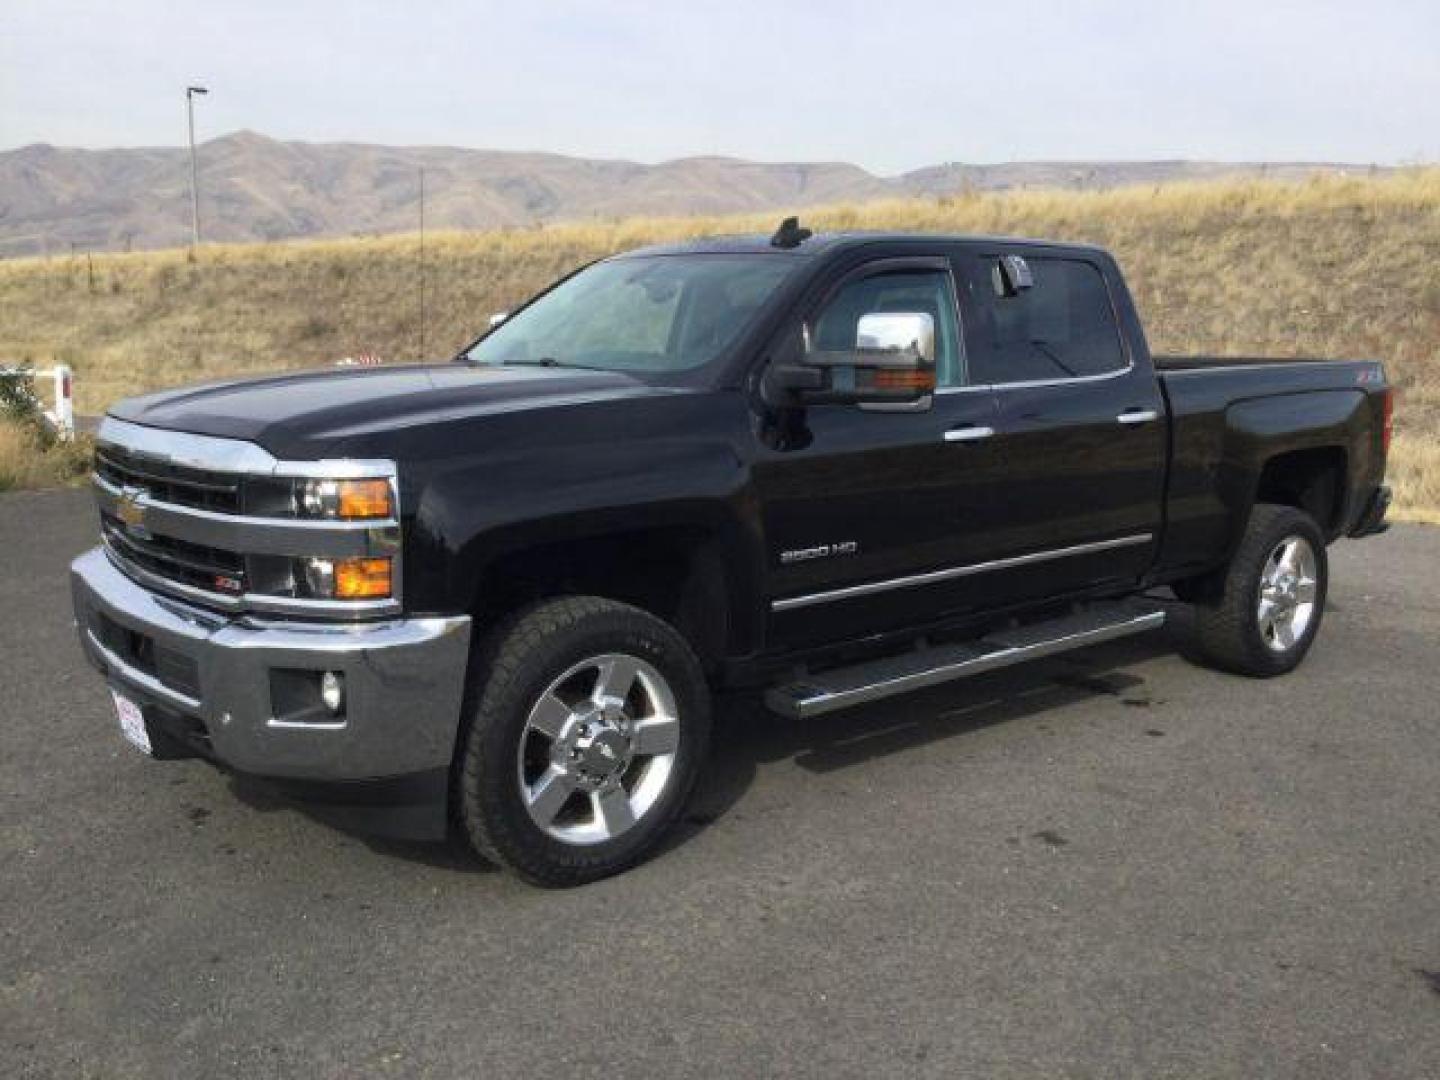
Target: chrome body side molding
x,y
790,603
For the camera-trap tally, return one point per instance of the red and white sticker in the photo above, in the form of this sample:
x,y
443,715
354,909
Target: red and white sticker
x,y
132,722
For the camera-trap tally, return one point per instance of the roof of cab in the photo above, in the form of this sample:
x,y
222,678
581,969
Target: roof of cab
x,y
829,243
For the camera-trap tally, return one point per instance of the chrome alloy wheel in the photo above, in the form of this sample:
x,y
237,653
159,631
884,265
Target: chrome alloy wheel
x,y
1286,605
598,749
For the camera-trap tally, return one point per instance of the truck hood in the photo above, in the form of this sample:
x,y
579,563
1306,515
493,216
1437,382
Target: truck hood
x,y
316,413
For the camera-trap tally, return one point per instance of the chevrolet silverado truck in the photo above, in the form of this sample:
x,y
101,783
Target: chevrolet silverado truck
x,y
495,595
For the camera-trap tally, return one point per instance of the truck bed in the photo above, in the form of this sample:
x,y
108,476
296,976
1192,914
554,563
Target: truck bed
x,y
1230,415
1203,362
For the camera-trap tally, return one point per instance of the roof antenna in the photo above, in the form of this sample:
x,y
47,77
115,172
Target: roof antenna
x,y
790,234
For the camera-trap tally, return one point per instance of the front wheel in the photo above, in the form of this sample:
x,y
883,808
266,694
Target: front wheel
x,y
1267,612
587,723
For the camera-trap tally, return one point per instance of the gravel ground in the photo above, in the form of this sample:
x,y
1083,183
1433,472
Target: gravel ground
x,y
1111,864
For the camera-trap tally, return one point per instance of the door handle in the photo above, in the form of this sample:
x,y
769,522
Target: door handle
x,y
972,433
1137,416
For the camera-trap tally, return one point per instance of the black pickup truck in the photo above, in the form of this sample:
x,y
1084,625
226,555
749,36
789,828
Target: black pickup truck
x,y
496,594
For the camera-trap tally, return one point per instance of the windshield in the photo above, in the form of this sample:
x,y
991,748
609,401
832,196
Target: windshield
x,y
660,314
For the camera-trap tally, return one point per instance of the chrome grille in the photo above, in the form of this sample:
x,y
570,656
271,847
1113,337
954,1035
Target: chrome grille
x,y
213,569
213,521
177,484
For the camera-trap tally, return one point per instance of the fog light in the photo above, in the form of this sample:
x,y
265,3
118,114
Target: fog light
x,y
332,691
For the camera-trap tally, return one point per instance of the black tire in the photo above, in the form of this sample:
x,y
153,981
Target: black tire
x,y
509,673
1228,627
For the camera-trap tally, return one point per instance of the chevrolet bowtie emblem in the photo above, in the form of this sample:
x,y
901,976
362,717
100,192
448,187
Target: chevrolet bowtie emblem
x,y
129,509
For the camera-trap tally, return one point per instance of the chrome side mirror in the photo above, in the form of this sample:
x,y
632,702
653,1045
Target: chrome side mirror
x,y
892,365
906,334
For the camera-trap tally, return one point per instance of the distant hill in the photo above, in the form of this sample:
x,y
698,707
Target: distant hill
x,y
257,188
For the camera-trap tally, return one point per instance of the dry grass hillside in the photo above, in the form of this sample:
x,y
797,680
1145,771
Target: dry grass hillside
x,y
254,188
1329,266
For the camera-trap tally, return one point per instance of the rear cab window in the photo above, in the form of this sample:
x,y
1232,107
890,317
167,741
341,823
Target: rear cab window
x,y
1061,327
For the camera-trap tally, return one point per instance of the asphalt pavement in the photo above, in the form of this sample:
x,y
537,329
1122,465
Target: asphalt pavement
x,y
1110,864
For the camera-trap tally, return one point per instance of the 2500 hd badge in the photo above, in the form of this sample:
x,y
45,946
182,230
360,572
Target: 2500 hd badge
x,y
821,551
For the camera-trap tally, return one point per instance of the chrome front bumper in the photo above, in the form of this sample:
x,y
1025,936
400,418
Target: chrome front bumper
x,y
219,675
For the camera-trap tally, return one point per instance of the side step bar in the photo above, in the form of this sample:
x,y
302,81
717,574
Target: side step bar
x,y
840,688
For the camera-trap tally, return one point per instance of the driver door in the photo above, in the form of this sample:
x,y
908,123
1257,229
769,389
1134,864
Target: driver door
x,y
860,502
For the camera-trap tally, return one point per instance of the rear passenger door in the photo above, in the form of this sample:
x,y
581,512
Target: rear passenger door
x,y
1079,427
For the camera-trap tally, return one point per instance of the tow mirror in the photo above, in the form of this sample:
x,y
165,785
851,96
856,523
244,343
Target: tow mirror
x,y
893,363
897,335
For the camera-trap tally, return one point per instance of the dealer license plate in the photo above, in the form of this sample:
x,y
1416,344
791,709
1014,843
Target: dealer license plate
x,y
132,722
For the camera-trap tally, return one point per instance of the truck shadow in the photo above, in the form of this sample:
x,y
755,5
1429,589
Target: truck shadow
x,y
747,735
360,824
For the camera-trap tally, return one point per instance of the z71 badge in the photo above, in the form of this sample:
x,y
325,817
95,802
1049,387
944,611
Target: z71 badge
x,y
820,551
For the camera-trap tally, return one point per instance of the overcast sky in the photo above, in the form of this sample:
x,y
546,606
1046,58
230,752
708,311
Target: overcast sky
x,y
887,84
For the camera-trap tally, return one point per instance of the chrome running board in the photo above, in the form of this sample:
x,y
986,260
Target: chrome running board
x,y
840,688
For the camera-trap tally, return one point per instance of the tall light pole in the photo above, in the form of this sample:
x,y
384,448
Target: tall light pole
x,y
190,92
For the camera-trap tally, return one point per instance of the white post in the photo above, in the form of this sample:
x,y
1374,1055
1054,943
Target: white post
x,y
64,402
62,417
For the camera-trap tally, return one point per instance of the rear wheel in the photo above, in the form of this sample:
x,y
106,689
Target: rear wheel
x,y
1266,612
588,724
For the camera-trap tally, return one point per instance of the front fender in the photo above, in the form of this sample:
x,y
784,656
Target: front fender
x,y
471,513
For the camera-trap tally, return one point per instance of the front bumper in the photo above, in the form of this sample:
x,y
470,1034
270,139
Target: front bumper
x,y
223,685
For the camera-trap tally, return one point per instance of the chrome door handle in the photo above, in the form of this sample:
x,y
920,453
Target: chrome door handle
x,y
1137,416
969,434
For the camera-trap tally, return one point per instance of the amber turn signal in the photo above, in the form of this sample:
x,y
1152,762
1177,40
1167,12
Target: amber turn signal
x,y
904,380
364,498
362,579
347,499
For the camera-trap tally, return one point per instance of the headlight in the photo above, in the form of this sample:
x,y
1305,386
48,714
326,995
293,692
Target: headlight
x,y
347,499
319,577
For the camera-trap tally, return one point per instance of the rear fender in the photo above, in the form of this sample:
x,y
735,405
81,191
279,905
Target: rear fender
x,y
1262,429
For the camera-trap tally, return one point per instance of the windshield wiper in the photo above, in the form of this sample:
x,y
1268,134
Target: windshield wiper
x,y
544,361
550,361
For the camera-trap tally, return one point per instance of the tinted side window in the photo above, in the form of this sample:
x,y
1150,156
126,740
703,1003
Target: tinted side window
x,y
926,291
1062,327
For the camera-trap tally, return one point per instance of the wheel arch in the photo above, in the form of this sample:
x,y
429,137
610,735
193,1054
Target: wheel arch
x,y
677,572
1293,450
667,525
1313,480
